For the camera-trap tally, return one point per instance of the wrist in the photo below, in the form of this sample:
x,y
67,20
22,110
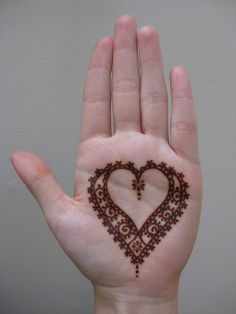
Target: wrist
x,y
115,301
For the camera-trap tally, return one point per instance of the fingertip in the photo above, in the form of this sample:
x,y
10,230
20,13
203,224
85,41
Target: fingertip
x,y
102,53
105,41
125,19
180,83
147,31
124,26
178,71
28,165
18,156
12,157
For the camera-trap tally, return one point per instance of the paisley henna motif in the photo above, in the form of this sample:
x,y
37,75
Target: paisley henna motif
x,y
138,243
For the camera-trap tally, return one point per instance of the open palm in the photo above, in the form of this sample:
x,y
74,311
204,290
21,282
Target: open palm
x,y
140,111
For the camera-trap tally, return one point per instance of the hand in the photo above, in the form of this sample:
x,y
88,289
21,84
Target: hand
x,y
140,109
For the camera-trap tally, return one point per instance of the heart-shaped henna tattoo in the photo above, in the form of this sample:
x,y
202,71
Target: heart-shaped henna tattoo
x,y
138,243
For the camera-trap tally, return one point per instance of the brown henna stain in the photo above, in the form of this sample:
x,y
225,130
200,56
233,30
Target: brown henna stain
x,y
138,243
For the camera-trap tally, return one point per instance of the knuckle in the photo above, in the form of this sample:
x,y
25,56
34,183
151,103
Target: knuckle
x,y
184,126
181,153
186,97
124,48
92,97
125,86
155,98
60,223
40,175
95,67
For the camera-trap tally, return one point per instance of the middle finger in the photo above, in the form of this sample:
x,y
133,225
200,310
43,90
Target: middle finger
x,y
125,76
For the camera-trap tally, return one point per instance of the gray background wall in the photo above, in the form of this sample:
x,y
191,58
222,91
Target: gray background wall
x,y
44,49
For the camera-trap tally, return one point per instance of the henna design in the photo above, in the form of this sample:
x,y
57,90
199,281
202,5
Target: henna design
x,y
138,243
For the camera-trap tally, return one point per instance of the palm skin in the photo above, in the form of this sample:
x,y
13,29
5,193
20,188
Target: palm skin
x,y
98,257
141,134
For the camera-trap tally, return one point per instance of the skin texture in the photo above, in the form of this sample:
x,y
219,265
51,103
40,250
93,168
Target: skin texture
x,y
140,112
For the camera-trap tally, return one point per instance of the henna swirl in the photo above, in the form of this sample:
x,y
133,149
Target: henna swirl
x,y
138,243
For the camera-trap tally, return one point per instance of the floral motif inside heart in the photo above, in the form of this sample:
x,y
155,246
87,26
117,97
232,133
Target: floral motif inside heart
x,y
138,243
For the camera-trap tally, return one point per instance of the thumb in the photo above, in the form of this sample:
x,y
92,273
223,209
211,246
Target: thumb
x,y
39,179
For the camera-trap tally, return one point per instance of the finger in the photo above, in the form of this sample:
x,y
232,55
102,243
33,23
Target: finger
x,y
96,115
154,101
183,118
125,76
40,181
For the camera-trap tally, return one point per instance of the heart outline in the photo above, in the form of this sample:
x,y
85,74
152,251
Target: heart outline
x,y
120,224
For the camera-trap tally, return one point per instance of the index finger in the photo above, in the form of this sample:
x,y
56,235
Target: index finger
x,y
96,114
